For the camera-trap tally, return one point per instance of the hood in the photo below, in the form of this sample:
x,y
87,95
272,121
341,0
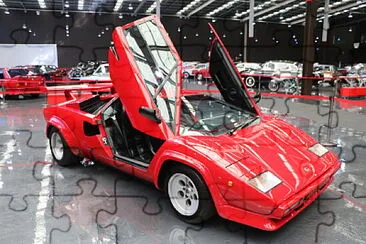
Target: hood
x,y
272,145
227,78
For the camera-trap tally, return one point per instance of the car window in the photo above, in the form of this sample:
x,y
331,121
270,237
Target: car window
x,y
17,72
1,75
157,65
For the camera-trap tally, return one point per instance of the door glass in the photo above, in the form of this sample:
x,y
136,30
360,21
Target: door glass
x,y
157,66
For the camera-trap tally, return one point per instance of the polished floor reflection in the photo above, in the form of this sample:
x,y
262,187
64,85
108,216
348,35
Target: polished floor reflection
x,y
42,202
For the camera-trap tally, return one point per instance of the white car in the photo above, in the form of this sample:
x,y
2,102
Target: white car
x,y
101,73
248,67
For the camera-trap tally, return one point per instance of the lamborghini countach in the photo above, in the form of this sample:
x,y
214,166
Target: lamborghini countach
x,y
211,153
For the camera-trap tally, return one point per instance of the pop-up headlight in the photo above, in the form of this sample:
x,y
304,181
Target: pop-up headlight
x,y
265,181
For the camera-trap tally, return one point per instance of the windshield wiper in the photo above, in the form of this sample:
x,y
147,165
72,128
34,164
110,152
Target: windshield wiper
x,y
242,125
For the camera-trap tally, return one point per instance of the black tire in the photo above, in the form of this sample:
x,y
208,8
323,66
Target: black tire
x,y
206,208
35,95
185,75
273,86
68,158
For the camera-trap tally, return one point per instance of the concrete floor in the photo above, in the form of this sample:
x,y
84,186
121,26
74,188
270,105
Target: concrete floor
x,y
43,203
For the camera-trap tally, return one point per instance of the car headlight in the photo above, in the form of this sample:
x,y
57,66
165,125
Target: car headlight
x,y
265,182
318,149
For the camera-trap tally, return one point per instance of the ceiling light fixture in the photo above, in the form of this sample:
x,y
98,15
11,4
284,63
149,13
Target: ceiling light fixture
x,y
80,4
223,7
34,34
42,4
38,12
24,26
2,3
350,15
130,7
6,12
188,6
67,14
118,5
30,30
152,7
120,16
67,5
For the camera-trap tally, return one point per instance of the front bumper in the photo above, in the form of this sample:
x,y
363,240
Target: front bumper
x,y
286,210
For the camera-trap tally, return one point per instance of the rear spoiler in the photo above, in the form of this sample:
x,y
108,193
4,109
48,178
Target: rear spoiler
x,y
70,89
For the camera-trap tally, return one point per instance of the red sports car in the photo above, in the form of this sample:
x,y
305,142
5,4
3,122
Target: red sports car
x,y
210,154
201,71
16,81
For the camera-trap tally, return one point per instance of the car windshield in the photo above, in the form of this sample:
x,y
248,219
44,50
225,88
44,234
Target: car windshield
x,y
17,72
157,65
209,115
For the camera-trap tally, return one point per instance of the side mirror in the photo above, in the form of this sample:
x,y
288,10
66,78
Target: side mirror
x,y
90,129
150,114
257,97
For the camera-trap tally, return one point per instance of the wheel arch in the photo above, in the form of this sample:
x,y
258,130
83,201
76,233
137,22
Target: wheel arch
x,y
167,163
65,131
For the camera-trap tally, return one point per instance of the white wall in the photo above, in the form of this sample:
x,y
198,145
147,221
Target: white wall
x,y
27,54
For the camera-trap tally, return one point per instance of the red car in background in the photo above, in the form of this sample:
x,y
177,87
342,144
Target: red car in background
x,y
16,81
201,71
209,154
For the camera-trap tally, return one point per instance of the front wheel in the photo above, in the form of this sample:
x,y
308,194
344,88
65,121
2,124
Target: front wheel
x,y
273,86
189,195
60,150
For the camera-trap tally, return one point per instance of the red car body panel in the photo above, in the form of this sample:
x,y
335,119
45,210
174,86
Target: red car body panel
x,y
205,73
226,162
21,84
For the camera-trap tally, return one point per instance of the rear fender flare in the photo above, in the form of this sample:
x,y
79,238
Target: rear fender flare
x,y
66,132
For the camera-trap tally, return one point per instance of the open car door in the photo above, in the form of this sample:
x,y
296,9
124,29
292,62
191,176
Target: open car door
x,y
146,72
227,78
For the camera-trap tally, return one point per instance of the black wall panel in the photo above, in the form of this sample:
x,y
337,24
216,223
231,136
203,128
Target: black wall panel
x,y
190,36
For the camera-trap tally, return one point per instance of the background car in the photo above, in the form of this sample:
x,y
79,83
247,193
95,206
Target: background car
x,y
356,76
201,71
326,72
188,67
18,81
248,71
100,74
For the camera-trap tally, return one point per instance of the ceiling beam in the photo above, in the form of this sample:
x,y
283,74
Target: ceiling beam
x,y
139,7
200,8
347,6
276,6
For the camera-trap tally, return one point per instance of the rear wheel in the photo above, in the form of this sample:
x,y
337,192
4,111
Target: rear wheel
x,y
60,150
185,75
34,95
189,195
273,86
